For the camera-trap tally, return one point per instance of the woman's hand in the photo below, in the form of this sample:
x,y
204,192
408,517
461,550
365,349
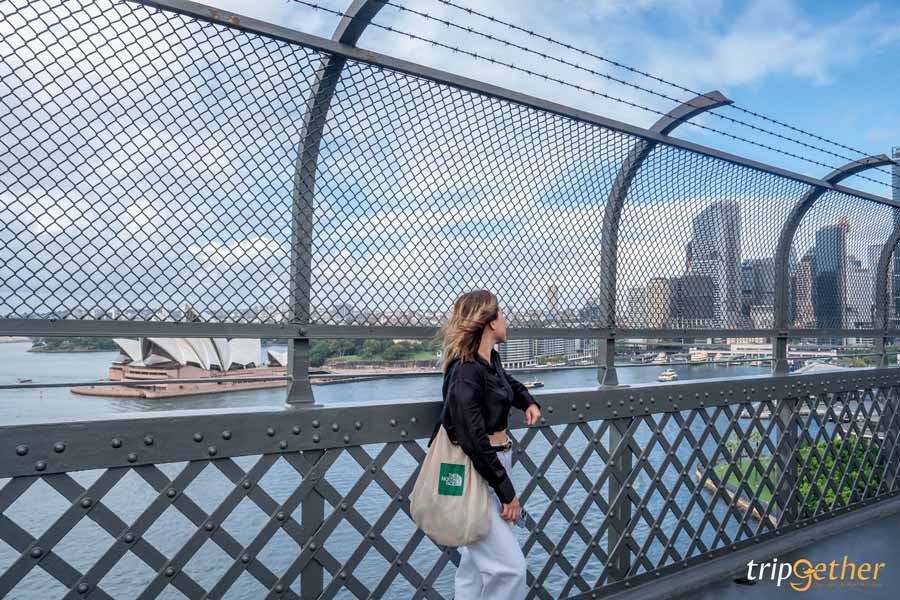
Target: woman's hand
x,y
510,512
532,414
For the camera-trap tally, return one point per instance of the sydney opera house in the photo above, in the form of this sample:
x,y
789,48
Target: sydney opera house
x,y
156,360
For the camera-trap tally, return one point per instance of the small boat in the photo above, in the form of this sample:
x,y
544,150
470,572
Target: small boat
x,y
533,384
667,375
23,380
661,358
698,356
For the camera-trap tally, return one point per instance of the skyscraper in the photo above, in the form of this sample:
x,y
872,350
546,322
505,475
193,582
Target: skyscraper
x,y
715,252
830,283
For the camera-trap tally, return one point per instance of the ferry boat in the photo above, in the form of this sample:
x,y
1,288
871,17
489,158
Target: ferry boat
x,y
667,375
720,358
152,361
661,358
23,379
534,383
698,356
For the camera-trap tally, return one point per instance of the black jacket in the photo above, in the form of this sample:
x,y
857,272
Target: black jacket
x,y
477,397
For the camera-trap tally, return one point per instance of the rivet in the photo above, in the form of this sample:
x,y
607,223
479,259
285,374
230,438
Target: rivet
x,y
357,425
129,537
343,575
59,447
115,443
574,407
36,552
402,433
209,526
270,431
413,420
279,588
312,546
171,492
335,427
279,516
400,498
587,405
315,423
40,465
170,571
296,431
315,438
393,422
83,588
198,437
346,439
543,420
247,484
212,451
148,440
373,469
245,558
549,409
22,450
86,502
283,444
226,435
372,536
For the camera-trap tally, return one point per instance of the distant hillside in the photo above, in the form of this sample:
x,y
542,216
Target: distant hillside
x,y
73,344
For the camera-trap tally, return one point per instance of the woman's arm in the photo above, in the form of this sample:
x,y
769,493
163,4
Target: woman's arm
x,y
522,398
465,399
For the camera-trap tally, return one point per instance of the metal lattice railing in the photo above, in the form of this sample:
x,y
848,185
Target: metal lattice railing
x,y
621,486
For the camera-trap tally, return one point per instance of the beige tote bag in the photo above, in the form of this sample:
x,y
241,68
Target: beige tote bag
x,y
450,501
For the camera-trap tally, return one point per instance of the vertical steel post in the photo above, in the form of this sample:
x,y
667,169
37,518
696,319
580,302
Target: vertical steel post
x,y
620,514
312,515
609,240
787,496
348,31
606,362
786,236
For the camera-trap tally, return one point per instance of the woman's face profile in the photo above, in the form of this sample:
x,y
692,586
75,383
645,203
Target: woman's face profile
x,y
500,326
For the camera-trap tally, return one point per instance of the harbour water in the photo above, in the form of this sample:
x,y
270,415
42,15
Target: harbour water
x,y
40,506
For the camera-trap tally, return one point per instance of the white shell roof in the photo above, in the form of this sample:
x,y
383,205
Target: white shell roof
x,y
245,351
277,359
203,352
223,351
130,348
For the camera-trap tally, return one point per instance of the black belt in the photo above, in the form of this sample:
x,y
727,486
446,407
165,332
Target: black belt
x,y
503,447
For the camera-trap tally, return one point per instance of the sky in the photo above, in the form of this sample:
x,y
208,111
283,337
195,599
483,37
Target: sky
x,y
826,67
157,168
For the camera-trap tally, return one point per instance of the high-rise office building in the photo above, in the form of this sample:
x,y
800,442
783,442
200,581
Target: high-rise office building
x,y
715,252
804,290
830,283
659,303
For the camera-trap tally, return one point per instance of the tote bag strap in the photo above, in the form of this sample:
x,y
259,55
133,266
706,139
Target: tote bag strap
x,y
443,415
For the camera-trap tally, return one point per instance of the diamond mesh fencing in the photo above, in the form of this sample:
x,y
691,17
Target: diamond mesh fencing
x,y
676,478
157,167
834,262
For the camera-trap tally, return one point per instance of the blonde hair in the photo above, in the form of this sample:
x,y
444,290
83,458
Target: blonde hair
x,y
461,336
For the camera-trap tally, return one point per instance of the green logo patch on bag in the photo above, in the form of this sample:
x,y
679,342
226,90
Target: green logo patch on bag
x,y
450,480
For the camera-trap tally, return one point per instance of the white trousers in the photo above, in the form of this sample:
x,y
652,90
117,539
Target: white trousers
x,y
493,568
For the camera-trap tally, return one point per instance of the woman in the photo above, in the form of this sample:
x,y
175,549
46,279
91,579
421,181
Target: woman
x,y
477,396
